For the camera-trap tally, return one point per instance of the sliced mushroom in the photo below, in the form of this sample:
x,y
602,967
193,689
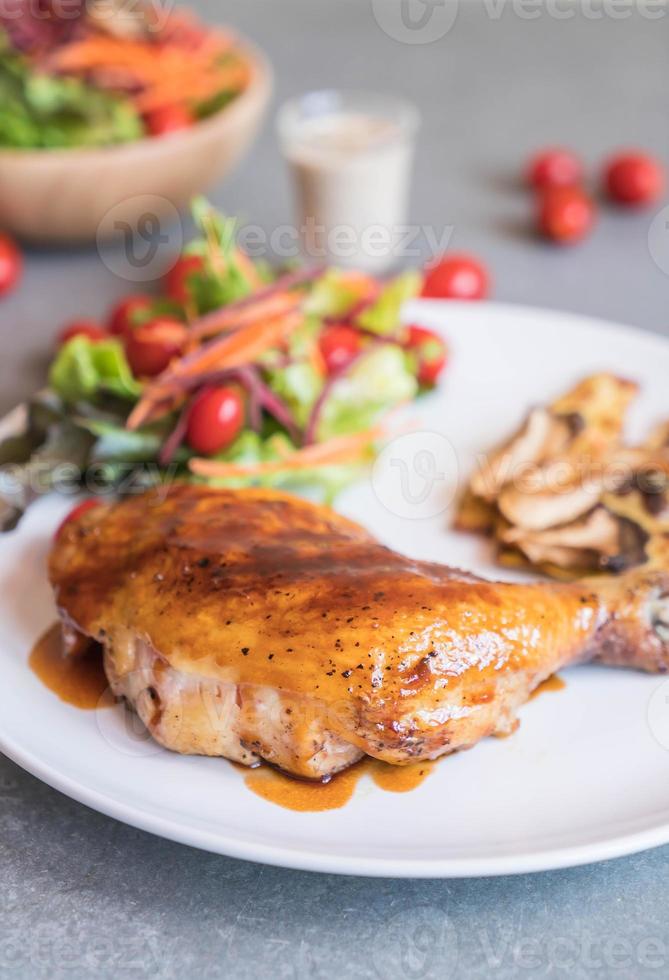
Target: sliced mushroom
x,y
539,511
599,540
541,434
633,542
602,401
659,437
475,515
566,488
575,560
565,494
598,531
565,563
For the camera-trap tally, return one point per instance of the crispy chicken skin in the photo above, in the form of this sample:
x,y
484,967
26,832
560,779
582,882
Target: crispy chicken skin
x,y
254,625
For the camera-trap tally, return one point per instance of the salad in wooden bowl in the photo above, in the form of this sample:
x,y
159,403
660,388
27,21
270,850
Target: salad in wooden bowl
x,y
107,104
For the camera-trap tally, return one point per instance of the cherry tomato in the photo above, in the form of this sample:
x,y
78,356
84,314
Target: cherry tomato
x,y
566,214
151,347
554,168
177,284
215,420
339,346
11,264
121,319
168,119
76,513
82,328
432,353
456,276
634,179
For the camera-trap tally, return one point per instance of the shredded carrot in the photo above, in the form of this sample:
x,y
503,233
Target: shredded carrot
x,y
165,73
191,88
272,306
152,406
233,350
241,347
337,451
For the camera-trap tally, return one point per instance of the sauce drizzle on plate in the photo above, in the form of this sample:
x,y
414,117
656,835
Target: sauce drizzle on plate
x,y
311,797
552,683
78,680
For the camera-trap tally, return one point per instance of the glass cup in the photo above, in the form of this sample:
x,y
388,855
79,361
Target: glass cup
x,y
350,156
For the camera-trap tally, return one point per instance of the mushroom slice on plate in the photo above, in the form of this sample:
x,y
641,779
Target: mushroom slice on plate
x,y
542,434
600,540
565,494
475,514
588,418
555,494
601,402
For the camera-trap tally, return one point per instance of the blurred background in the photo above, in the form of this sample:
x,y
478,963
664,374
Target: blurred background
x,y
494,82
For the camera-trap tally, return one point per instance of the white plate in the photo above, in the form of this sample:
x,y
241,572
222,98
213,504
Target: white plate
x,y
585,778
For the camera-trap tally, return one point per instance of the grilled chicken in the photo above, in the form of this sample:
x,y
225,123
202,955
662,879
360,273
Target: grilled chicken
x,y
254,625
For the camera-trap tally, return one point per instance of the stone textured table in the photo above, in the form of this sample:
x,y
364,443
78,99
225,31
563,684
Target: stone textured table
x,y
82,895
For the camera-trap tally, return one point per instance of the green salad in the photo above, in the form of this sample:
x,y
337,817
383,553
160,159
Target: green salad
x,y
44,111
105,72
235,374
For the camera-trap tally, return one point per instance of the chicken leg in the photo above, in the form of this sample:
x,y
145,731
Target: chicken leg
x,y
254,625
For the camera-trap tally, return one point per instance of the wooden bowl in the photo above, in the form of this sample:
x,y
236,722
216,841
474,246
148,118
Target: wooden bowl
x,y
62,196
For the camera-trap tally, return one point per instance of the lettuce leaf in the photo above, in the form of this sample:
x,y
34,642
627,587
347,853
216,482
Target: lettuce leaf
x,y
298,384
320,484
375,383
84,368
212,289
46,111
383,317
33,463
331,295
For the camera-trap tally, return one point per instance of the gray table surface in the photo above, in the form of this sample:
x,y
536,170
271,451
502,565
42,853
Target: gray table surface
x,y
83,895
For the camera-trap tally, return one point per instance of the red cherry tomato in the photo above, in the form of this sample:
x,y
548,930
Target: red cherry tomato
x,y
554,168
432,353
177,284
566,214
456,276
168,119
634,179
215,420
82,328
339,346
76,513
121,318
151,347
11,264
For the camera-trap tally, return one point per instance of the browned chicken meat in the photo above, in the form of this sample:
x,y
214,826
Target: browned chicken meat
x,y
254,625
